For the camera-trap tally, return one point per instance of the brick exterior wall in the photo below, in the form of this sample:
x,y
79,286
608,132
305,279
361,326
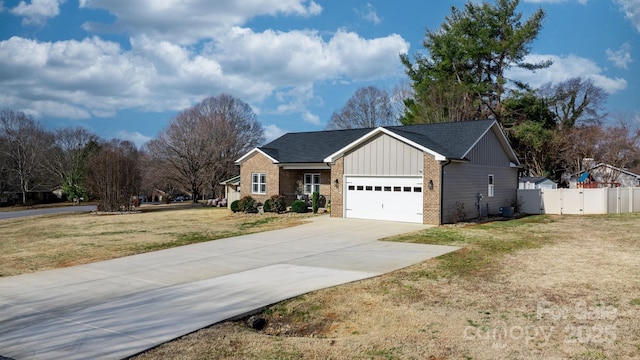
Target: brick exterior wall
x,y
288,185
284,182
259,163
431,198
337,172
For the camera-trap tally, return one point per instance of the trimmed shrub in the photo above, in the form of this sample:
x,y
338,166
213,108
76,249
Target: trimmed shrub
x,y
299,206
314,202
235,207
247,204
278,204
267,205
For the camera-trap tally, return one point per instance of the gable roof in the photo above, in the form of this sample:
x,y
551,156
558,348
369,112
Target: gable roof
x,y
307,147
232,181
451,140
599,165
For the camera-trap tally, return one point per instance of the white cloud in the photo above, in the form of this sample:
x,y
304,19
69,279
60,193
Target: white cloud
x,y
38,11
311,118
295,101
272,132
631,9
369,14
94,77
367,59
620,58
135,137
296,57
564,68
89,76
188,21
164,71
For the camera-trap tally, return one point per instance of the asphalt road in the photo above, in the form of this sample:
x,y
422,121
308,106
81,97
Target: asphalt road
x,y
47,211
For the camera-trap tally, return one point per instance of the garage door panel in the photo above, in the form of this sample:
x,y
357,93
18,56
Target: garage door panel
x,y
384,198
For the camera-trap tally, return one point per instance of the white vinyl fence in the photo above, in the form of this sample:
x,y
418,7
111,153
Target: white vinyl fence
x,y
580,201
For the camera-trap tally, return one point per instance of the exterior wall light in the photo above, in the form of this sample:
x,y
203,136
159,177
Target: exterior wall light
x,y
430,185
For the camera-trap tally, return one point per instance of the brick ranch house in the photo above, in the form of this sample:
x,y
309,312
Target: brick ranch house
x,y
429,173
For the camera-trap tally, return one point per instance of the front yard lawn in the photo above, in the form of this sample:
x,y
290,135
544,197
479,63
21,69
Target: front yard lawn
x,y
47,242
543,287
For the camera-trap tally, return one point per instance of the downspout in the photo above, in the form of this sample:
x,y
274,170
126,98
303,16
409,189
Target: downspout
x,y
442,190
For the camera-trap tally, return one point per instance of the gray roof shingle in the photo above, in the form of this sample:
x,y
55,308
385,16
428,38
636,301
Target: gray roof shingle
x,y
452,140
310,147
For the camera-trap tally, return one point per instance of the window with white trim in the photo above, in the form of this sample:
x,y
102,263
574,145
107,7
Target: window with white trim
x,y
258,183
490,189
311,183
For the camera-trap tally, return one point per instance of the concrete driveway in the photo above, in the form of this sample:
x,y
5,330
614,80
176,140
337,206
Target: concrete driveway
x,y
118,308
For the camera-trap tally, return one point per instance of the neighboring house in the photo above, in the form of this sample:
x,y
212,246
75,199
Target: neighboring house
x,y
231,189
430,173
600,175
536,182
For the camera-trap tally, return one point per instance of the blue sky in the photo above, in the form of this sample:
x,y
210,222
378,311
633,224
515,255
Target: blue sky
x,y
125,68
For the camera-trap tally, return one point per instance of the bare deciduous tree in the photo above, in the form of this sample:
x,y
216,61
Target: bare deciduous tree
x,y
368,107
576,144
575,102
199,147
616,145
25,145
399,95
114,175
619,146
7,175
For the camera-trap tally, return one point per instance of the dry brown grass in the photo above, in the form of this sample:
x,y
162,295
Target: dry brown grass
x,y
538,288
47,242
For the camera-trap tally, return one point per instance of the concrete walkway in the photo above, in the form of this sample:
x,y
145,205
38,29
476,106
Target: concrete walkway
x,y
117,308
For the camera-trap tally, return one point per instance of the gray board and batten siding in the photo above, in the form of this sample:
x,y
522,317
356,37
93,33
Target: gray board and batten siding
x,y
463,181
384,156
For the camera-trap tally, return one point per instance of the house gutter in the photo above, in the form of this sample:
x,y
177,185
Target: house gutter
x,y
442,190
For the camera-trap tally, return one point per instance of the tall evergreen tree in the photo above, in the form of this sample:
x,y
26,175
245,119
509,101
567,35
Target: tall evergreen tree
x,y
463,75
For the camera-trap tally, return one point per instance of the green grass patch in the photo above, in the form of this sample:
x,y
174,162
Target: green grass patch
x,y
388,354
635,301
252,224
435,236
513,223
591,355
296,310
481,245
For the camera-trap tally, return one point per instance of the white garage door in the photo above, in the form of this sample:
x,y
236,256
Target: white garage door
x,y
384,198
